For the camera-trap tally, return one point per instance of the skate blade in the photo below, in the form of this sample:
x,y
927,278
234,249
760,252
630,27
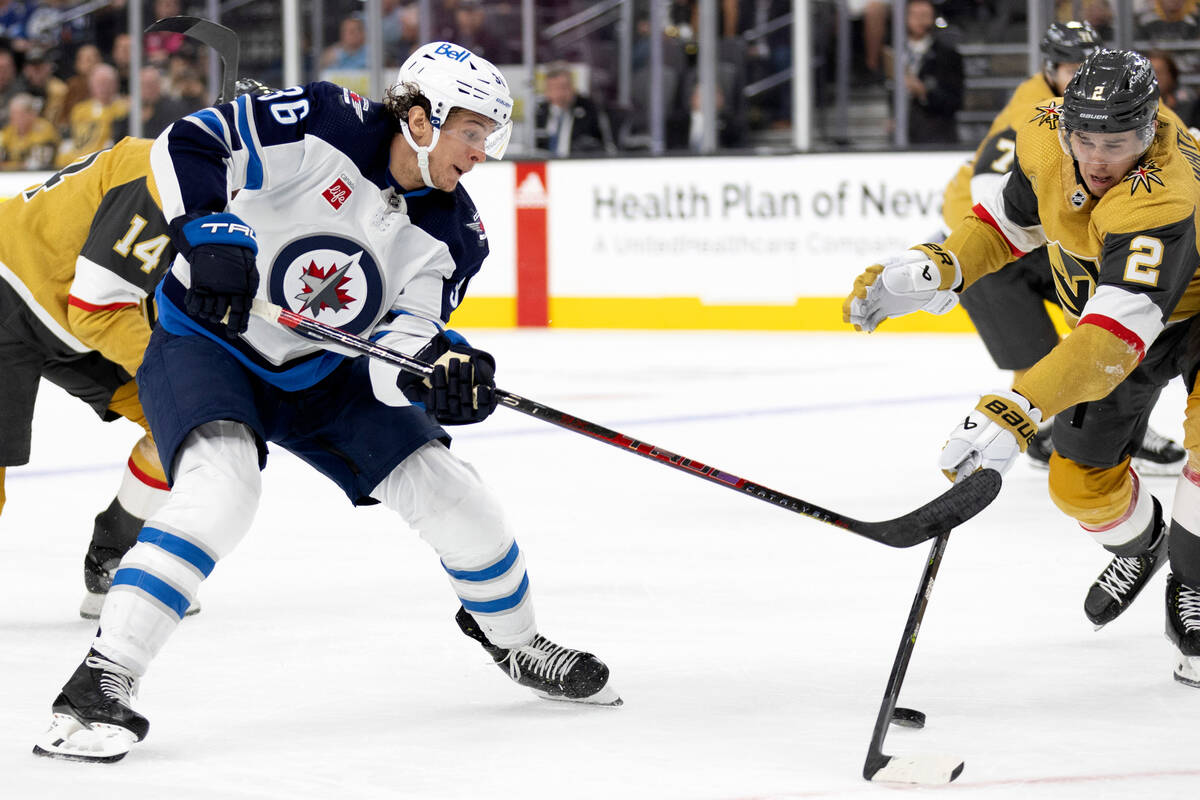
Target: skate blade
x,y
605,697
93,604
70,740
1187,670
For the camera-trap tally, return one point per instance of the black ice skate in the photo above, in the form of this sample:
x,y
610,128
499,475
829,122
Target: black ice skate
x,y
99,566
92,717
1124,577
1159,455
1040,448
550,670
1183,629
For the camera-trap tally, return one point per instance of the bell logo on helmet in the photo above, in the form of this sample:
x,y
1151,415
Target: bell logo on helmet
x,y
445,49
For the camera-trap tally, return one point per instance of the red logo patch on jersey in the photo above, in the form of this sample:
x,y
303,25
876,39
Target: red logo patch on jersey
x,y
337,194
355,101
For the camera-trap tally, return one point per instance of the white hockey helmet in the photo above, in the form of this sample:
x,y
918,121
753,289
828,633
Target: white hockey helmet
x,y
451,77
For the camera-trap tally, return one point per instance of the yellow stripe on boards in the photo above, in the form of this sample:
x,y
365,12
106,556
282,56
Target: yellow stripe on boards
x,y
690,313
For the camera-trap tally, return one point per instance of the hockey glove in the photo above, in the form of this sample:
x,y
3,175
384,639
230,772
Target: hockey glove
x,y
221,250
462,388
920,279
998,430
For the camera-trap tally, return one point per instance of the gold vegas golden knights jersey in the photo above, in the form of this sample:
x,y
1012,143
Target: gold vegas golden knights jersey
x,y
994,156
33,150
82,253
1124,264
92,126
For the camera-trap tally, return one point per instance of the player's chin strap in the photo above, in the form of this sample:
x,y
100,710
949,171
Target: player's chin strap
x,y
422,152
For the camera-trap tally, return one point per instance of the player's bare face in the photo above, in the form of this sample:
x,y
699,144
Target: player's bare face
x,y
1062,76
460,147
1105,158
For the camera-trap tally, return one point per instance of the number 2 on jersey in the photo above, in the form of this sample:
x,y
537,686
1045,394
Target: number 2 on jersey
x,y
1145,257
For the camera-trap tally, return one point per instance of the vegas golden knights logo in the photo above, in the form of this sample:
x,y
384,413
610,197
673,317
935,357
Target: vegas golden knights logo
x,y
1048,115
1075,278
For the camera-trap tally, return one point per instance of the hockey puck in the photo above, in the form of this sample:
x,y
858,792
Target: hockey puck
x,y
908,717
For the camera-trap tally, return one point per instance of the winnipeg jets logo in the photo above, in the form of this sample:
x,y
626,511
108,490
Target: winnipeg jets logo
x,y
330,278
1143,175
323,288
1048,115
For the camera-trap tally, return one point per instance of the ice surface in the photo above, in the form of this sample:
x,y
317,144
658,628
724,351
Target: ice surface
x,y
751,645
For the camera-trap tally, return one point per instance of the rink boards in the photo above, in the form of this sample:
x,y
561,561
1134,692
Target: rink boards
x,y
727,243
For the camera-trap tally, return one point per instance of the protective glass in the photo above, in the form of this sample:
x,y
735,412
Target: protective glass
x,y
1105,148
479,133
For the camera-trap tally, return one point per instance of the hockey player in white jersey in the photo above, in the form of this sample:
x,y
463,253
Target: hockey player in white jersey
x,y
349,211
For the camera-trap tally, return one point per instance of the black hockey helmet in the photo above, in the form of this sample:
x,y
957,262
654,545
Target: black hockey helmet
x,y
1113,91
1069,43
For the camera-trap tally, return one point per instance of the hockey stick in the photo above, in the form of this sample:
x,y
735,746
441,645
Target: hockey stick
x,y
961,502
909,769
218,37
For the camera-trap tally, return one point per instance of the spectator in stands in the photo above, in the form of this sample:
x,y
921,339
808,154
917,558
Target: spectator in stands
x,y
875,15
934,78
1169,21
87,58
350,52
122,57
11,83
400,30
185,80
476,31
688,133
1097,13
159,46
47,89
44,25
159,109
1176,97
28,141
566,122
100,120
12,20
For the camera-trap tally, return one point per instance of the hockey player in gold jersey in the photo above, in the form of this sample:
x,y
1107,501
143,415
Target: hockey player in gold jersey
x,y
78,268
1109,179
1008,308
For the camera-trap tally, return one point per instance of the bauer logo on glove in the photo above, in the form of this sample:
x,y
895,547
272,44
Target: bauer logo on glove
x,y
920,279
997,430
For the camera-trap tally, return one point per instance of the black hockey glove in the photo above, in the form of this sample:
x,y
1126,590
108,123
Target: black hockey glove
x,y
221,250
462,388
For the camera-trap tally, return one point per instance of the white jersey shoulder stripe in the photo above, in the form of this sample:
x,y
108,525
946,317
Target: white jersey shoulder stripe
x,y
101,286
991,197
1133,311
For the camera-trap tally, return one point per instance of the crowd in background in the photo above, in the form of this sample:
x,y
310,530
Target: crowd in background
x,y
64,76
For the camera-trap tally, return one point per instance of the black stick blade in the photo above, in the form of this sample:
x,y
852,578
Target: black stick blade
x,y
941,514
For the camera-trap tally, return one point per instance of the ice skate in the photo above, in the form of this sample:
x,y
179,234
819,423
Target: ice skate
x,y
1123,578
99,566
1159,455
92,717
552,671
1040,448
1183,629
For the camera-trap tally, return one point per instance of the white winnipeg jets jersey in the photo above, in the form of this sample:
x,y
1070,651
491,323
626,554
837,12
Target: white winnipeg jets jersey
x,y
306,169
